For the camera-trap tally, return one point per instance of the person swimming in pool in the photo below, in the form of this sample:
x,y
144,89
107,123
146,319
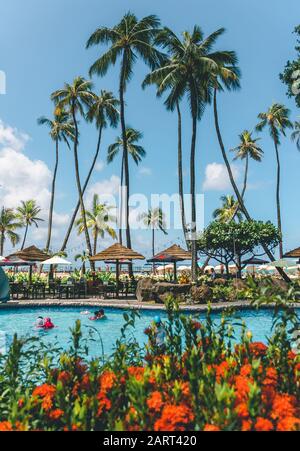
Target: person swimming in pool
x,y
99,314
48,324
39,324
160,333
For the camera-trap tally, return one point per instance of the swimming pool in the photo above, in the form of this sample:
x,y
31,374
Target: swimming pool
x,y
21,321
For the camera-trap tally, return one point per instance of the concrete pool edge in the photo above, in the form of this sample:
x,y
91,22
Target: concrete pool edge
x,y
133,304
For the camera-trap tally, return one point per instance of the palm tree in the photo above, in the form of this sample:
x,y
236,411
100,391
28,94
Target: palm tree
x,y
154,218
246,149
61,129
77,97
9,223
226,75
296,134
277,120
98,219
129,39
186,74
137,153
228,210
84,258
27,213
103,111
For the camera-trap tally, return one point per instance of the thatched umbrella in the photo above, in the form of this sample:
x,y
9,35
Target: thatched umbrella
x,y
115,254
172,254
30,254
295,253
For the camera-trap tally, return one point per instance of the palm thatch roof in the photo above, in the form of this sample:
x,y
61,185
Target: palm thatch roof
x,y
295,253
173,253
117,252
31,254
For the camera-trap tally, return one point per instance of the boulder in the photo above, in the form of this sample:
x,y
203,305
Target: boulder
x,y
145,290
202,294
164,289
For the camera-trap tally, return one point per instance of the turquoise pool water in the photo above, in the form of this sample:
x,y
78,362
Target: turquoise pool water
x,y
21,321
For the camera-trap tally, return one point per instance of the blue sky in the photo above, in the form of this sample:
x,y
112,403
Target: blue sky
x,y
42,45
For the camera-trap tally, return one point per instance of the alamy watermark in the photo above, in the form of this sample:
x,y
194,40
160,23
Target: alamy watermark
x,y
296,82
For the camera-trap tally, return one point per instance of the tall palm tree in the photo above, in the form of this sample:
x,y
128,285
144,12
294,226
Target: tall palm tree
x,y
9,223
61,129
226,76
129,39
154,218
185,74
84,258
103,111
277,120
77,96
98,220
28,213
137,153
246,149
296,134
228,210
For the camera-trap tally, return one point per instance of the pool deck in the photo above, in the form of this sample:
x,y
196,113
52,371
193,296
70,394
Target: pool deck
x,y
130,303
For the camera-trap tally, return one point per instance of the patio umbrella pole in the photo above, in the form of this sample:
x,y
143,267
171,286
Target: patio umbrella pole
x,y
30,274
175,272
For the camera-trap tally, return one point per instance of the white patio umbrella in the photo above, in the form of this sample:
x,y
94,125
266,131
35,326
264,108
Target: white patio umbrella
x,y
208,267
183,268
2,258
56,260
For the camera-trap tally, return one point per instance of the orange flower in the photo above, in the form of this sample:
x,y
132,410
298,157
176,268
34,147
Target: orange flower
x,y
242,410
104,403
44,390
211,428
246,370
271,377
174,418
85,383
242,387
246,425
222,370
64,377
283,406
262,424
5,426
136,371
258,349
56,414
288,424
155,401
107,380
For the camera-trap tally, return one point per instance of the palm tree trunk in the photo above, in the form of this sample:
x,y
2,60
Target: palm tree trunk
x,y
278,200
66,239
193,200
153,248
83,214
2,243
244,186
95,242
50,220
180,176
235,188
125,156
25,236
121,203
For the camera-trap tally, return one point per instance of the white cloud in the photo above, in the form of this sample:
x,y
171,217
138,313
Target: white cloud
x,y
216,177
144,170
22,178
107,190
99,166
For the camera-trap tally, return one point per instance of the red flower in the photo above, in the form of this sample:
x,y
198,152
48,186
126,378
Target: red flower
x,y
288,424
242,388
211,428
136,371
262,424
5,426
174,418
155,401
107,380
258,349
283,406
246,425
242,410
56,414
44,390
64,377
